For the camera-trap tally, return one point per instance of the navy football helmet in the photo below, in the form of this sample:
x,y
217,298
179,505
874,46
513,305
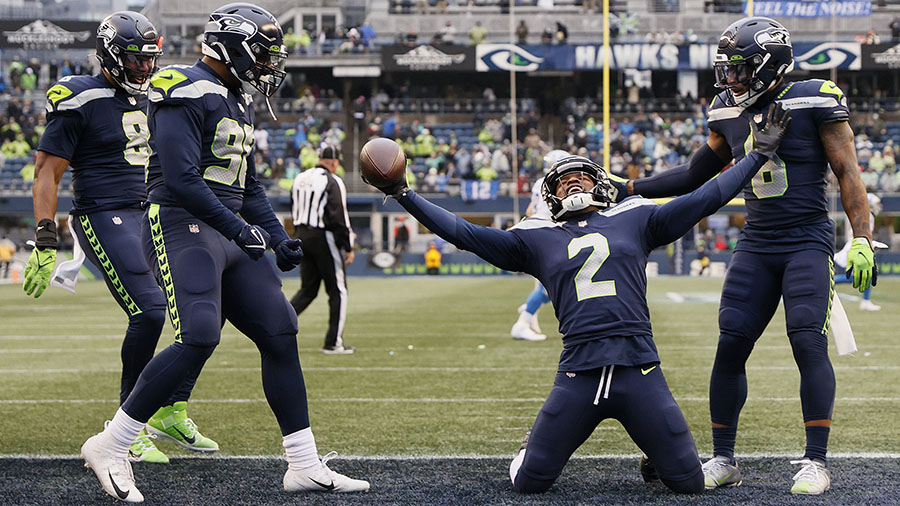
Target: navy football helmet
x,y
602,194
249,40
755,53
128,47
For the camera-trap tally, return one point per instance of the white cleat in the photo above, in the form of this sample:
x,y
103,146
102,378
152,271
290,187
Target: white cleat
x,y
720,472
321,479
532,320
867,305
114,473
812,479
522,331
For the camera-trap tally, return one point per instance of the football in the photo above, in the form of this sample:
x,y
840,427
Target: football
x,y
382,162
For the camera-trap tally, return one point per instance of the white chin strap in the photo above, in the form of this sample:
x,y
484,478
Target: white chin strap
x,y
576,202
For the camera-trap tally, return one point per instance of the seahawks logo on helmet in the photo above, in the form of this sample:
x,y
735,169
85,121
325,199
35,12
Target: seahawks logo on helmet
x,y
231,23
776,36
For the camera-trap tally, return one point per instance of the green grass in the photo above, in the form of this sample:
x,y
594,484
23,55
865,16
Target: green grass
x,y
447,395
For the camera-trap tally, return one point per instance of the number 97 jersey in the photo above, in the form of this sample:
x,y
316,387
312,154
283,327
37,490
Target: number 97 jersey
x,y
214,126
102,132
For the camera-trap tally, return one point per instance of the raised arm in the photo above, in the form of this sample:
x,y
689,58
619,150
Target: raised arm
x,y
705,163
501,248
672,220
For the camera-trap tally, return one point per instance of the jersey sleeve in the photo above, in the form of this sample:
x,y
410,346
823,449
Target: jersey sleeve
x,y
718,112
828,102
501,248
66,119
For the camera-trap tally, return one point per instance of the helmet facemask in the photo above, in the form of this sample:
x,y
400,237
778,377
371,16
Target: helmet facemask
x,y
757,66
591,189
127,56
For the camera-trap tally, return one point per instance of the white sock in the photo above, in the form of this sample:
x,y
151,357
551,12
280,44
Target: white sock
x,y
525,317
121,432
300,448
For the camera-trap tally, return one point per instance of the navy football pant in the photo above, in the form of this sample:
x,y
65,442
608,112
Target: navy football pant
x,y
111,241
642,403
208,279
753,286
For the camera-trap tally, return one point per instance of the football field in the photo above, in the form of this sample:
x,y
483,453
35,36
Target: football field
x,y
435,401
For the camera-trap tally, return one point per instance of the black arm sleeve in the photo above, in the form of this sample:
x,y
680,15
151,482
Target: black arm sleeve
x,y
704,164
501,248
336,218
672,220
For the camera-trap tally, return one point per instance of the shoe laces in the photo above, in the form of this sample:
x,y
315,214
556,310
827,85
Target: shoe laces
x,y
121,467
717,463
191,427
328,456
809,472
144,442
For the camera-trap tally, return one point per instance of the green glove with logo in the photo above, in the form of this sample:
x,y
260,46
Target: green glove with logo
x,y
42,260
861,262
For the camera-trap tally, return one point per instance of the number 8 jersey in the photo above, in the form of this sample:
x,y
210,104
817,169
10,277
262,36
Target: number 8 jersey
x,y
786,208
217,133
102,132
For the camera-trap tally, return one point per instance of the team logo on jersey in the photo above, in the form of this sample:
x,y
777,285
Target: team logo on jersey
x,y
194,228
582,223
132,101
757,118
570,374
117,220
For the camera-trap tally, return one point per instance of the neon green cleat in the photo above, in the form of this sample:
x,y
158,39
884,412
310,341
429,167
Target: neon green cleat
x,y
172,423
143,450
812,479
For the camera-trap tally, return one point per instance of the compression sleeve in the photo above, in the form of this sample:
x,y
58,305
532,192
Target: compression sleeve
x,y
178,147
501,248
672,220
704,164
257,209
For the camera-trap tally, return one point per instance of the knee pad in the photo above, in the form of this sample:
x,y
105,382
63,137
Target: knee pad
x,y
150,320
693,485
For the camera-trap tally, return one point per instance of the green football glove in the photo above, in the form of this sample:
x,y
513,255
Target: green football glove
x,y
42,260
861,261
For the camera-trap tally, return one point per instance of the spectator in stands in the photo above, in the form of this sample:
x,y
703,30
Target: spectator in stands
x,y
463,162
421,7
876,163
440,7
547,36
477,34
500,160
562,33
486,173
389,127
367,36
890,163
448,33
522,32
291,41
425,143
401,236
589,5
895,29
872,37
411,38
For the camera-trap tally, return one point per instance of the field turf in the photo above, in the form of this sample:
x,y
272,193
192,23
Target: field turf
x,y
435,401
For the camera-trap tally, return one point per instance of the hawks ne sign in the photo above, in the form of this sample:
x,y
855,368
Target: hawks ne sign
x,y
43,34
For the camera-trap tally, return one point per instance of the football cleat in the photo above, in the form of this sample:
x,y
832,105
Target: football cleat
x,y
523,331
720,472
867,305
321,479
532,320
812,479
648,471
171,423
338,350
143,450
114,473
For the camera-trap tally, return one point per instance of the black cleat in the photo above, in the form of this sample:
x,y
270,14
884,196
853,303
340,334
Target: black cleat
x,y
648,472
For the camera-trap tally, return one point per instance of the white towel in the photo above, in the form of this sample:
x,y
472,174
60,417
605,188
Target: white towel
x,y
66,274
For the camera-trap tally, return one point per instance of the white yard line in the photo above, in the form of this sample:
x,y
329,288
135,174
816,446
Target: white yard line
x,y
423,400
476,456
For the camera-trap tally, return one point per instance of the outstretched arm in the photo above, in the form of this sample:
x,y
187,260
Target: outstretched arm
x,y
501,248
705,163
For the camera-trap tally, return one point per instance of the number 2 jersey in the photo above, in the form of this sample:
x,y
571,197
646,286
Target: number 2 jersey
x,y
786,207
102,131
202,137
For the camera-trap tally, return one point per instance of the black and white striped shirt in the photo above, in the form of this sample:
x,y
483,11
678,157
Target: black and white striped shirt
x,y
319,200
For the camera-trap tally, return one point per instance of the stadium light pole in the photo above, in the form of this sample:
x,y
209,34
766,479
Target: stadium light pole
x,y
606,55
514,148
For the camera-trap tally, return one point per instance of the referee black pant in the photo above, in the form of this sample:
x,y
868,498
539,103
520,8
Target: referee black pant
x,y
322,261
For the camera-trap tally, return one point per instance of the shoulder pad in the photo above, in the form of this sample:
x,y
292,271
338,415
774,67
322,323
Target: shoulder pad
x,y
177,83
628,204
812,93
720,108
73,92
534,222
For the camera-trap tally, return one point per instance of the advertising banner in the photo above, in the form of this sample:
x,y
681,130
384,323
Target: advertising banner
x,y
812,8
43,34
426,58
881,56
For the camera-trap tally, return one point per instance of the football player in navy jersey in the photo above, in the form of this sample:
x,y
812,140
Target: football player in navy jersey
x,y
591,257
209,260
786,248
98,125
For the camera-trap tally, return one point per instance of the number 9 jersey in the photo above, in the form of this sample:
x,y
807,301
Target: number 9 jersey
x,y
213,124
102,132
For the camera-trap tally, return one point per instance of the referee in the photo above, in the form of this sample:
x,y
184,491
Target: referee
x,y
319,208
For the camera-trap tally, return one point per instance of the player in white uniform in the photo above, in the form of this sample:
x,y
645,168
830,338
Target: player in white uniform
x,y
526,327
840,258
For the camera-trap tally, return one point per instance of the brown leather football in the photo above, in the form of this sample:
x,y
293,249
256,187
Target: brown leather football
x,y
382,162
